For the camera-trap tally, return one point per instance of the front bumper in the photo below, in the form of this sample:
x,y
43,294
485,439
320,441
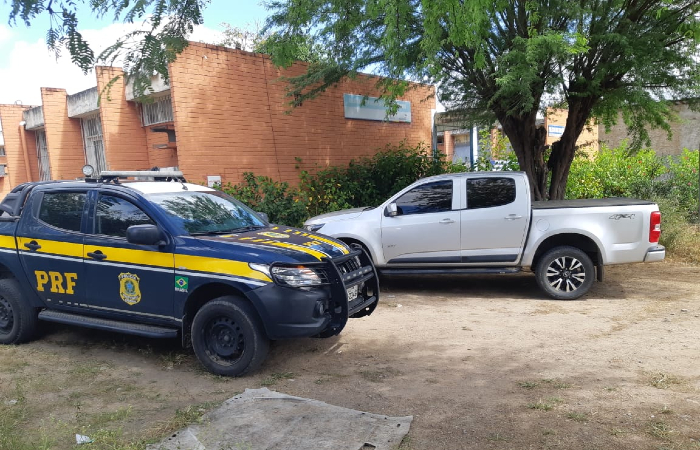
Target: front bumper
x,y
657,253
323,311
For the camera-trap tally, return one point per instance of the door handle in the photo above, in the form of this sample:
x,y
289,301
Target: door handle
x,y
97,254
513,217
447,221
33,246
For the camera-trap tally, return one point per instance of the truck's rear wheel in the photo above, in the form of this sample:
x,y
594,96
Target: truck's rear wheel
x,y
565,273
227,337
18,320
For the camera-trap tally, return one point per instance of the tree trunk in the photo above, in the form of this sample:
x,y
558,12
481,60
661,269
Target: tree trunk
x,y
528,143
564,150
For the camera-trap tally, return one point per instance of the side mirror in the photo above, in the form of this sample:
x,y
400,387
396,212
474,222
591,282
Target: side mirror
x,y
392,210
144,235
263,216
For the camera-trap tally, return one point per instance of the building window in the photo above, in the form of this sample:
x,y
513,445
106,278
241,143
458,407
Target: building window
x,y
2,151
92,141
160,110
42,153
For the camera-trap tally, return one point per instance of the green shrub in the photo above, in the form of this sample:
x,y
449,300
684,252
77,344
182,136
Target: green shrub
x,y
369,181
276,199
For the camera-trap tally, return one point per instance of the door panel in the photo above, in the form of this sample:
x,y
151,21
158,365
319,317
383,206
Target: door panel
x,y
50,244
426,230
126,279
495,222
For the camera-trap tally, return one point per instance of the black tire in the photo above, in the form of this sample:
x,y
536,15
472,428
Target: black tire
x,y
228,338
18,320
565,273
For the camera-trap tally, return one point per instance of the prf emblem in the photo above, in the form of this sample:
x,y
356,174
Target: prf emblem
x,y
129,288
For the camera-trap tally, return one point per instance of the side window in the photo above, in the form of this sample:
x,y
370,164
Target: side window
x,y
62,209
114,215
427,198
489,192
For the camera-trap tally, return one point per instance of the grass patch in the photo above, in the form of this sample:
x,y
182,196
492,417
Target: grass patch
x,y
378,376
659,429
546,404
548,382
275,377
578,417
661,380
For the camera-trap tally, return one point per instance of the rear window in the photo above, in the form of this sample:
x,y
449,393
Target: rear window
x,y
62,209
490,192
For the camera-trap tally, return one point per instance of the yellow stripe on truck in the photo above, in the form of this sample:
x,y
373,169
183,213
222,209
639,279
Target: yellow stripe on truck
x,y
53,247
287,245
131,256
215,265
8,242
315,237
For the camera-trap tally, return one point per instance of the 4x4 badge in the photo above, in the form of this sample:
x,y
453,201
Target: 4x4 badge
x,y
129,288
182,284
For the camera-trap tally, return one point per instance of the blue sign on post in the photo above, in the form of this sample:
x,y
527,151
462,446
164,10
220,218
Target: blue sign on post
x,y
374,109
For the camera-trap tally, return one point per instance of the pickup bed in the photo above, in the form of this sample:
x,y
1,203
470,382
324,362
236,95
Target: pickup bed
x,y
484,222
166,258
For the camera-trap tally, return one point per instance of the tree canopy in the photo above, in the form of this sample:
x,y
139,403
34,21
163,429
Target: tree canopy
x,y
502,60
510,59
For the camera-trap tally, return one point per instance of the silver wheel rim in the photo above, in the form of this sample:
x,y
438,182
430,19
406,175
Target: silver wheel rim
x,y
566,274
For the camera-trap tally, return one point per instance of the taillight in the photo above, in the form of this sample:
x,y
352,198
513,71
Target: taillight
x,y
655,227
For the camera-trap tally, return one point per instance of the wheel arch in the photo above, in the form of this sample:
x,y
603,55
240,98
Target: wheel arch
x,y
354,240
202,295
580,241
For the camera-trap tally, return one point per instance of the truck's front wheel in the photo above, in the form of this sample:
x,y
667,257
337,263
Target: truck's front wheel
x,y
565,273
227,337
18,321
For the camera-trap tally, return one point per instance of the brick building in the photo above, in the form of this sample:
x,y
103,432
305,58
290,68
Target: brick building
x,y
223,113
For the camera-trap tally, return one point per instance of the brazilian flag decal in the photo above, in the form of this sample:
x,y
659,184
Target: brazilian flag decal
x,y
182,284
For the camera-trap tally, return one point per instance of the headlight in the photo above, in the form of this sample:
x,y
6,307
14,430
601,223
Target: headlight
x,y
314,226
298,276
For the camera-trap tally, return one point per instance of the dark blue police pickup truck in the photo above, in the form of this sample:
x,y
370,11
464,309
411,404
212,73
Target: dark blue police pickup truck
x,y
165,258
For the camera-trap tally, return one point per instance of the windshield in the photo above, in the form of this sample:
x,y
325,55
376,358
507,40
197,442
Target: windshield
x,y
209,212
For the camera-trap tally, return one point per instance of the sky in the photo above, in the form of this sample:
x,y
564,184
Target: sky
x,y
26,64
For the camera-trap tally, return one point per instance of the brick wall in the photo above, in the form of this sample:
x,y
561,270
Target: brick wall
x,y
10,117
63,136
231,116
123,136
686,133
587,141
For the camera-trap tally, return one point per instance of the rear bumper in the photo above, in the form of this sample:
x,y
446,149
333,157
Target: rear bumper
x,y
657,253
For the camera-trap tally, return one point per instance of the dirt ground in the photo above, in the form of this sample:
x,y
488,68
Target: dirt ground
x,y
480,363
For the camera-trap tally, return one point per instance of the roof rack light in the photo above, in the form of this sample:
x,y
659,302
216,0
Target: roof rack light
x,y
141,175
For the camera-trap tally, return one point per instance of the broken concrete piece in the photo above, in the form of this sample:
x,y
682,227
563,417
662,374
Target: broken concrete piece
x,y
260,419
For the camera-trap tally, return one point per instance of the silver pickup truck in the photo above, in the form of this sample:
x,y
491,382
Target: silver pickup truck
x,y
484,222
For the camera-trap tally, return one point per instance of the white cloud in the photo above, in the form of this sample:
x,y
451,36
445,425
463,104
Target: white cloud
x,y
31,66
5,33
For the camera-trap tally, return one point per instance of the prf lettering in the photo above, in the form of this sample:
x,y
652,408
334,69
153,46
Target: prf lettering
x,y
57,280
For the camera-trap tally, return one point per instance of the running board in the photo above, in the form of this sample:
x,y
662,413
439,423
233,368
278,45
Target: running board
x,y
451,271
151,331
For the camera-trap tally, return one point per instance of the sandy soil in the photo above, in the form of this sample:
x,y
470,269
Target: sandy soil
x,y
481,363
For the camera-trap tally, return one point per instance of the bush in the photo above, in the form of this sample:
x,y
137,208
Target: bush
x,y
276,199
370,180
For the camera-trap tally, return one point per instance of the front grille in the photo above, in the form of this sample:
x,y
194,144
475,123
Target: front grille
x,y
349,266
